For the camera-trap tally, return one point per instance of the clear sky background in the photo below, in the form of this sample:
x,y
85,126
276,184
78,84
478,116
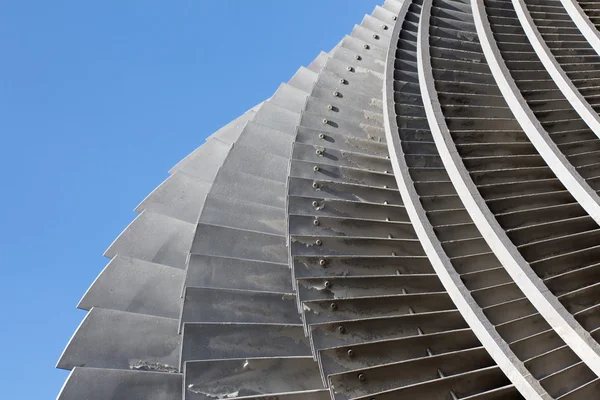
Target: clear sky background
x,y
98,99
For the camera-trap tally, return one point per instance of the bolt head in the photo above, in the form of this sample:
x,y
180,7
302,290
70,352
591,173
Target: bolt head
x,y
336,94
350,69
316,168
318,242
350,353
315,185
322,262
333,306
321,136
361,377
316,222
315,204
327,284
358,57
367,47
319,152
384,27
325,121
329,107
375,37
394,18
341,329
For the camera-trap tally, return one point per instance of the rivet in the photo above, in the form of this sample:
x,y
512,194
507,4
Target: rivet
x,y
387,157
318,242
384,27
375,37
341,329
367,47
316,222
315,185
329,107
321,136
316,168
333,306
343,81
385,172
322,262
319,152
394,18
361,377
386,218
336,94
327,284
350,69
385,202
385,186
315,203
350,353
325,121
394,253
358,57
390,236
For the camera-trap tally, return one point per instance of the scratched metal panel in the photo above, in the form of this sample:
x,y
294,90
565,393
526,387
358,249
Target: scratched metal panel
x,y
315,267
352,332
335,70
343,110
303,225
234,340
306,169
340,142
234,273
357,46
366,34
114,384
238,213
322,188
322,394
180,196
249,376
337,97
320,311
323,154
132,285
156,238
229,305
359,356
347,287
368,65
345,209
122,340
349,246
221,241
334,124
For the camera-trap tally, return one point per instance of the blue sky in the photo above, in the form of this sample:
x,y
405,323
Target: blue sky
x,y
97,101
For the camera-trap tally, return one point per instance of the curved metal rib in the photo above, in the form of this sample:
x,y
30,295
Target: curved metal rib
x,y
584,24
477,320
564,171
579,103
567,327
